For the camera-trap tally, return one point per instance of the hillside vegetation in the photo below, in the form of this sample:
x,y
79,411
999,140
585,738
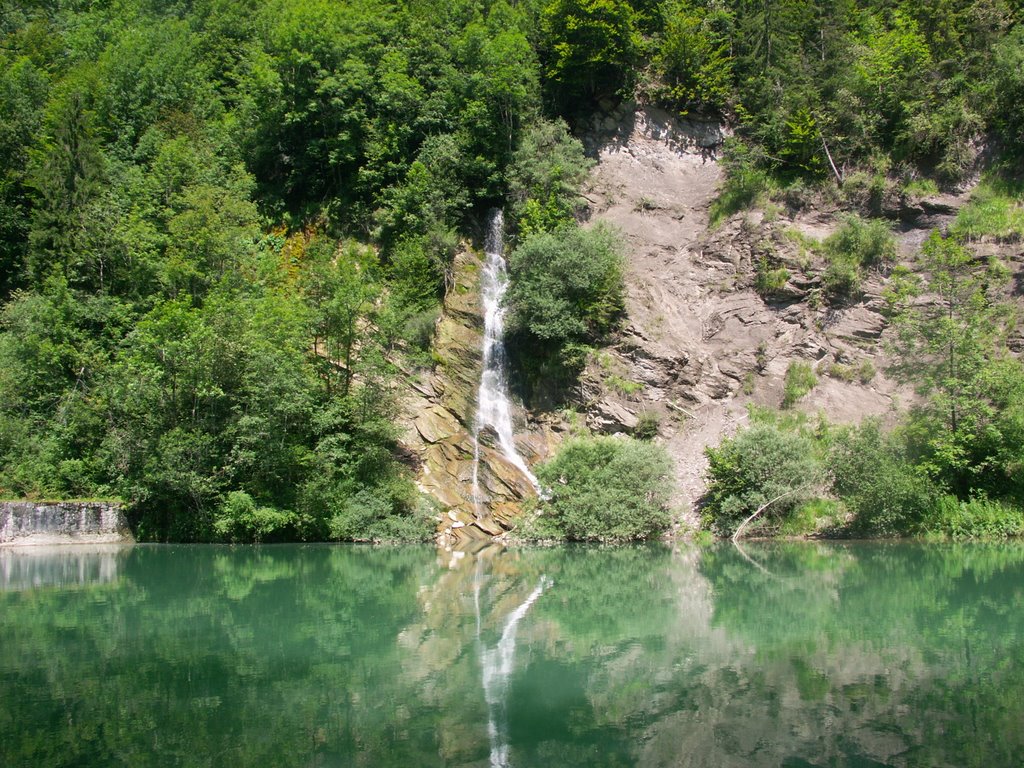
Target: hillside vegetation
x,y
226,226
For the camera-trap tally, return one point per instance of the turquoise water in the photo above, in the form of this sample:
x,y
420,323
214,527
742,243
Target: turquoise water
x,y
776,655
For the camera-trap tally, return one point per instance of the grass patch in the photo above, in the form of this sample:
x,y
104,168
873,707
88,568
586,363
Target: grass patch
x,y
746,185
974,519
921,188
994,211
800,379
807,246
864,372
858,245
739,193
749,383
623,386
769,280
810,517
867,242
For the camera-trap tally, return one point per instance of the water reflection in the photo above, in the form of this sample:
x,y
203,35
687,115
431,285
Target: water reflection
x,y
60,566
497,665
780,655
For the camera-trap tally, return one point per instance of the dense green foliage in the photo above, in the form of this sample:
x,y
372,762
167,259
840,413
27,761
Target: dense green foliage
x,y
762,468
878,483
567,284
544,178
188,320
566,292
953,465
968,432
188,323
604,489
226,227
887,483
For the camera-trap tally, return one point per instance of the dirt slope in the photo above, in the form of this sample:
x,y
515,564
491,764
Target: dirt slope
x,y
700,343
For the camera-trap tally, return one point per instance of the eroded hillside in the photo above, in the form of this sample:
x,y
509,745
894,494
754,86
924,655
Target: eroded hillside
x,y
701,342
716,315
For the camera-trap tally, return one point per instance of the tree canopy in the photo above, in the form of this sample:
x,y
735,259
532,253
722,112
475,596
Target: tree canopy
x,y
222,222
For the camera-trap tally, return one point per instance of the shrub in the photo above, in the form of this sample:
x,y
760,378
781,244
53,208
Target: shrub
x,y
975,518
994,211
800,379
857,245
810,517
646,426
768,279
239,519
868,189
870,243
605,488
866,372
373,514
759,464
544,178
921,187
567,286
1008,75
749,383
417,270
418,330
842,278
745,184
885,492
761,357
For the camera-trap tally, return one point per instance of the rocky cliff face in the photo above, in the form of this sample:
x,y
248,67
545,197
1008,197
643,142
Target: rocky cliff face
x,y
438,415
699,344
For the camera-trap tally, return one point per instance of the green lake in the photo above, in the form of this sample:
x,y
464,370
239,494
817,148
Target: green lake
x,y
783,654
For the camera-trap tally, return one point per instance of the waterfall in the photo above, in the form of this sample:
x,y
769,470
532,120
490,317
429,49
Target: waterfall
x,y
493,408
496,664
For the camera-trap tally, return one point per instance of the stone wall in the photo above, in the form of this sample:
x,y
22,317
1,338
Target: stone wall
x,y
62,522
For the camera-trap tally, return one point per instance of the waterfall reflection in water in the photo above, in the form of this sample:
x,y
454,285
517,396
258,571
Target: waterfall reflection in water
x,y
496,667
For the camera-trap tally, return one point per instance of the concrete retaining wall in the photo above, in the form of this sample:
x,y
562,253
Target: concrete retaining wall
x,y
63,522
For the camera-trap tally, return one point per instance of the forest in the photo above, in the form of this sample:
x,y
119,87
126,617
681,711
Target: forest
x,y
227,227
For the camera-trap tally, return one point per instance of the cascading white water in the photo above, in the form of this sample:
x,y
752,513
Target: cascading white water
x,y
496,664
493,406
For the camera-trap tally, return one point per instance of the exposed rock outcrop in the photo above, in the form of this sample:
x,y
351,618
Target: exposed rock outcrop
x,y
701,343
704,336
438,422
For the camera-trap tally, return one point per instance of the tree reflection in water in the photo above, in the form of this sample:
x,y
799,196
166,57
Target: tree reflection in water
x,y
784,654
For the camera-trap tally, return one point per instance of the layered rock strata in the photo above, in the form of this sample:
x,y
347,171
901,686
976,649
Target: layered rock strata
x,y
437,419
